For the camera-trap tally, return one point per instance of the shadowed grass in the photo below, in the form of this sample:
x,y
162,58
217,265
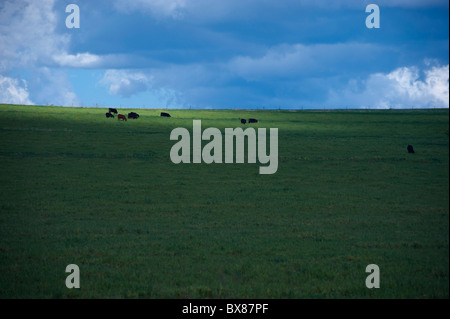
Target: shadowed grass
x,y
79,188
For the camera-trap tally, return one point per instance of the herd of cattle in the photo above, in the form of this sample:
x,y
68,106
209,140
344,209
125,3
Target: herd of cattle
x,y
131,115
134,116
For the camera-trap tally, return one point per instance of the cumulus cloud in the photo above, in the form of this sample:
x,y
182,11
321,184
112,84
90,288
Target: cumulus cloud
x,y
28,36
13,91
29,41
319,67
405,87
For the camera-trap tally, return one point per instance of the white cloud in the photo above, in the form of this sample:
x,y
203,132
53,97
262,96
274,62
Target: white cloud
x,y
401,88
29,41
125,82
13,91
79,60
437,83
28,36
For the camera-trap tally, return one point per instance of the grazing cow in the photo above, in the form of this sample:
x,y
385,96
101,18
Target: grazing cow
x,y
112,110
243,121
410,149
165,114
109,115
133,115
121,117
252,120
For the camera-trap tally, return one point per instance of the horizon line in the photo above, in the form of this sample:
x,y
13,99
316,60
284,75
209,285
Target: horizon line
x,y
363,108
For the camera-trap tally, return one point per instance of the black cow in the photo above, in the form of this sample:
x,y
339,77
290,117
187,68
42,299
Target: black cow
x,y
112,110
165,114
243,121
133,115
410,149
252,120
109,115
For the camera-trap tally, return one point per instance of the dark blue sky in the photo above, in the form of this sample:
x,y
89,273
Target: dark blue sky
x,y
225,54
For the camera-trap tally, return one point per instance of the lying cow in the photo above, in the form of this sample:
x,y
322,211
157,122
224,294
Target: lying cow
x,y
165,114
112,110
108,115
243,121
121,117
410,149
133,115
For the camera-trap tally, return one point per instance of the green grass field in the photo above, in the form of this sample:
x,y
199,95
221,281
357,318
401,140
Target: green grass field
x,y
77,188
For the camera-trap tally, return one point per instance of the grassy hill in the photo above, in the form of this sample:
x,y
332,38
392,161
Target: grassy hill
x,y
78,188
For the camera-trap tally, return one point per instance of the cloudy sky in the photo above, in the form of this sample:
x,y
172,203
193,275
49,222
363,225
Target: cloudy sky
x,y
225,54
